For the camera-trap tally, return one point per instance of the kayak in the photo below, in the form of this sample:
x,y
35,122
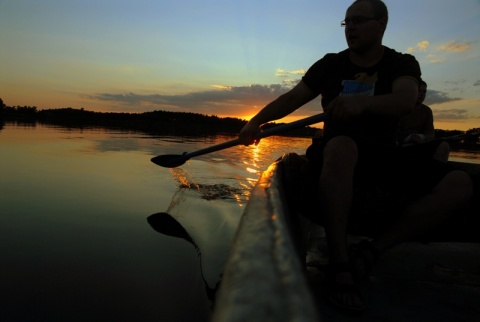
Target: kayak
x,y
264,276
277,261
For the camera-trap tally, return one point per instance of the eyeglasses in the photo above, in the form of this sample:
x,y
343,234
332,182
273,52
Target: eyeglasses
x,y
356,20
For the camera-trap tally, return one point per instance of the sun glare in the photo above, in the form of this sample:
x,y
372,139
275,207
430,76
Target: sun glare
x,y
247,117
252,162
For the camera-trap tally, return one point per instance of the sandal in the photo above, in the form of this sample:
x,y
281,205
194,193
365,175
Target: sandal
x,y
363,257
335,288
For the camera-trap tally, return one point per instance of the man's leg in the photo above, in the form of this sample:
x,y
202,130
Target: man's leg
x,y
442,152
336,190
452,192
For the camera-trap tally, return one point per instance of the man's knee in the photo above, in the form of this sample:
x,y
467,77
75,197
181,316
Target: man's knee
x,y
458,185
341,150
442,152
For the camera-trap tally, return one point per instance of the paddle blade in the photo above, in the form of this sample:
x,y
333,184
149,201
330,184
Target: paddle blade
x,y
167,225
170,160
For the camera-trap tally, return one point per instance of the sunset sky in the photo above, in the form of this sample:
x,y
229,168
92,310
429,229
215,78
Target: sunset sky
x,y
224,58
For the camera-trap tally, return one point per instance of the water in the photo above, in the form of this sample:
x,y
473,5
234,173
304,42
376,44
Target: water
x,y
465,156
75,244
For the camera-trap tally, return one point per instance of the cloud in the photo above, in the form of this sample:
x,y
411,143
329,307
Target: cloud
x,y
477,83
455,47
284,73
222,86
435,59
223,100
456,83
437,55
438,97
452,114
421,46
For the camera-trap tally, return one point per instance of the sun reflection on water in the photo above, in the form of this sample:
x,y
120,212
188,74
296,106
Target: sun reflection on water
x,y
253,161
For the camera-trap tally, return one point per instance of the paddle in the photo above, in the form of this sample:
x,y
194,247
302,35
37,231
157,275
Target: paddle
x,y
450,138
164,223
175,160
460,136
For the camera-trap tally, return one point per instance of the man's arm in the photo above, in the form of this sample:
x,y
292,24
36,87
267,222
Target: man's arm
x,y
429,127
277,109
426,131
397,104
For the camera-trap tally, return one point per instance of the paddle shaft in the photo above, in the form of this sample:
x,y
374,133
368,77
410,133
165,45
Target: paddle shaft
x,y
457,137
269,132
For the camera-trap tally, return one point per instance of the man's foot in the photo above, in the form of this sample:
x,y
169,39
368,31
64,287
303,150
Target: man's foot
x,y
363,257
343,293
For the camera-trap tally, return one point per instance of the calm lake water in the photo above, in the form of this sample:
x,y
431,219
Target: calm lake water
x,y
75,244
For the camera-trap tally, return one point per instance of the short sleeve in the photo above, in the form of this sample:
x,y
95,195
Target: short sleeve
x,y
407,66
318,74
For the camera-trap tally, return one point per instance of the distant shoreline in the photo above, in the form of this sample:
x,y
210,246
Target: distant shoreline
x,y
155,123
173,123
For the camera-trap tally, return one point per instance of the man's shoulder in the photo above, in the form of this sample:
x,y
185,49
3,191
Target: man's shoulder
x,y
329,61
336,56
401,64
389,52
425,108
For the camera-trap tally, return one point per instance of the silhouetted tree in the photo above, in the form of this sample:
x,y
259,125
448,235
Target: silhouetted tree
x,y
474,137
174,123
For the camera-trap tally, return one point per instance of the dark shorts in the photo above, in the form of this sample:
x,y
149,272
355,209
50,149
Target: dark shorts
x,y
386,180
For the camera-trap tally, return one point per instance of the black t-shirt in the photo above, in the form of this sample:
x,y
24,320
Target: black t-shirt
x,y
335,75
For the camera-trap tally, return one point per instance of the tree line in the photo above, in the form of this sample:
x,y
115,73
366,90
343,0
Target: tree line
x,y
171,123
155,122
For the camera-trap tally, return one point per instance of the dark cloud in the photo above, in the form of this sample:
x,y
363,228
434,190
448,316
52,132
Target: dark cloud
x,y
453,114
229,100
226,100
456,83
477,83
438,97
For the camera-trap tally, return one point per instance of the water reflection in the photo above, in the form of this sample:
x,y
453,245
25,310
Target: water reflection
x,y
165,224
72,221
465,156
208,226
252,167
213,191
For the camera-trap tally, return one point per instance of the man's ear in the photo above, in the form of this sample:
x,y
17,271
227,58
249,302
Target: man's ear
x,y
383,22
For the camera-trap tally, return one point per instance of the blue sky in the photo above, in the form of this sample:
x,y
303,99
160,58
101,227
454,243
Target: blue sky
x,y
225,58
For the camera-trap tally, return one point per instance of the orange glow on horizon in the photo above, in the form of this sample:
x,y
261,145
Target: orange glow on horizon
x,y
287,119
38,96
